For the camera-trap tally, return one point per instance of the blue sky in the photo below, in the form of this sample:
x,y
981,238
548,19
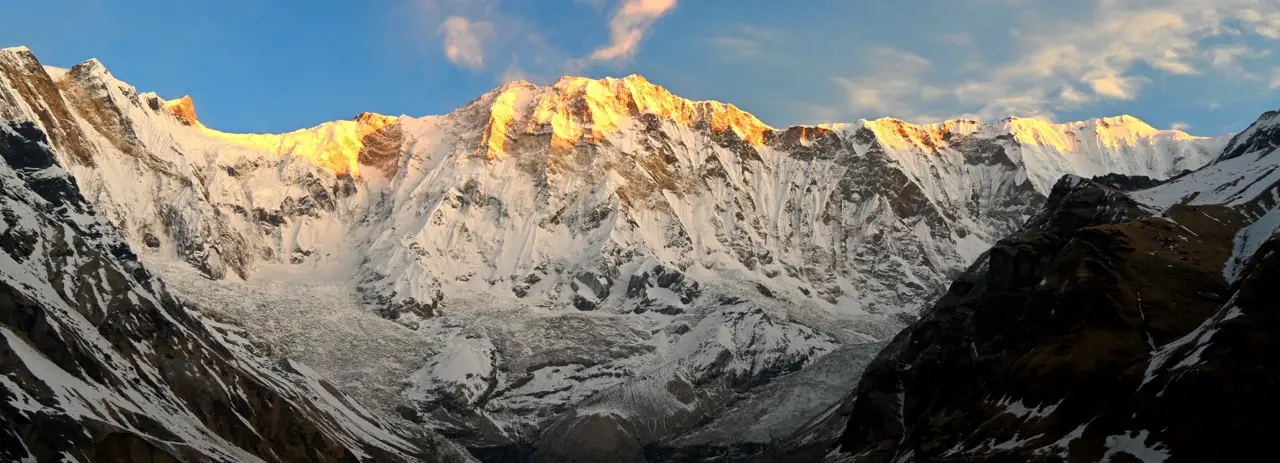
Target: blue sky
x,y
1209,65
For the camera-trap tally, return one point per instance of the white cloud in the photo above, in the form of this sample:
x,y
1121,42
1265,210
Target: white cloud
x,y
1073,96
464,41
1108,84
1179,125
480,36
1264,22
630,22
1063,60
473,34
736,48
1230,58
898,79
746,44
1275,79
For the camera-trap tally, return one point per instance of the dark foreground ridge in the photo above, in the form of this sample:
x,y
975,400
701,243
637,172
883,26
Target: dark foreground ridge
x,y
1106,330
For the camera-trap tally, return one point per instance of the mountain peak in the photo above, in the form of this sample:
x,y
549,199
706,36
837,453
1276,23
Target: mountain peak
x,y
607,81
899,134
90,67
334,146
578,109
1110,132
1262,136
18,50
184,109
1125,120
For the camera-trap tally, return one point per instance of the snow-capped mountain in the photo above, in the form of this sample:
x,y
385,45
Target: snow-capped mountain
x,y
1116,325
100,363
594,260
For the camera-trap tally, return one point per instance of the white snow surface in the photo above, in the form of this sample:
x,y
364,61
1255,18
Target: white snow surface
x,y
1135,444
1249,181
465,211
696,238
74,275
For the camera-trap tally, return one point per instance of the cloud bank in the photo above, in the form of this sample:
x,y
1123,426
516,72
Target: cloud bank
x,y
1056,64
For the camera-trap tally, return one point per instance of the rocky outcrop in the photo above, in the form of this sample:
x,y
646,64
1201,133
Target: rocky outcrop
x,y
182,108
98,362
1261,137
605,251
25,84
1106,328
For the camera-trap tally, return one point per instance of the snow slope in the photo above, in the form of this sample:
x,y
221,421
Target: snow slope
x,y
578,235
1093,332
98,361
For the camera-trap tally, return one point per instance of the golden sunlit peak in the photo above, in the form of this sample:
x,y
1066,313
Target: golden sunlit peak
x,y
1126,120
898,134
517,84
184,109
607,81
334,146
583,109
1109,132
375,120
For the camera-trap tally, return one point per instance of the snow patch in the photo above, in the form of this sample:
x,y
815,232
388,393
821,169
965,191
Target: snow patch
x,y
1134,443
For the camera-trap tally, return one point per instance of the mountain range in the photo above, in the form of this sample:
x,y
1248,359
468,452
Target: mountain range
x,y
599,269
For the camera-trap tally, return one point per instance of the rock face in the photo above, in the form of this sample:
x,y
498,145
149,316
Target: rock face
x,y
1115,326
98,362
554,264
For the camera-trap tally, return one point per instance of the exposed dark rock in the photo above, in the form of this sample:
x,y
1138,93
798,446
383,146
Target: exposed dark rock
x,y
37,88
21,147
1261,137
100,363
764,290
581,303
1043,350
1129,182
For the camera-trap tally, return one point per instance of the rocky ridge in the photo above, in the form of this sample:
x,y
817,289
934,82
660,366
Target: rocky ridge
x,y
101,363
594,251
1115,326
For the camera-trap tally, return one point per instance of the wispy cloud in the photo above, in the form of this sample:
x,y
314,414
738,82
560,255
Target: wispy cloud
x,y
630,22
464,41
1179,125
1231,58
745,43
481,36
1110,54
898,81
478,35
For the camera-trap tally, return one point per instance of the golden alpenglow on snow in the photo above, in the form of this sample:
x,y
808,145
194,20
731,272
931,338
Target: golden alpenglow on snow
x,y
639,230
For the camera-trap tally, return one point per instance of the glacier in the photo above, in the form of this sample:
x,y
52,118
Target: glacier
x,y
549,258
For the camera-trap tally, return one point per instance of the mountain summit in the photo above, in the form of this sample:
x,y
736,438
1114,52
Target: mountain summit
x,y
591,261
1095,332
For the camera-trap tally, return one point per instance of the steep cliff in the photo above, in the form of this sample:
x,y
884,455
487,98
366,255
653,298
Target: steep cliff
x,y
1115,326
